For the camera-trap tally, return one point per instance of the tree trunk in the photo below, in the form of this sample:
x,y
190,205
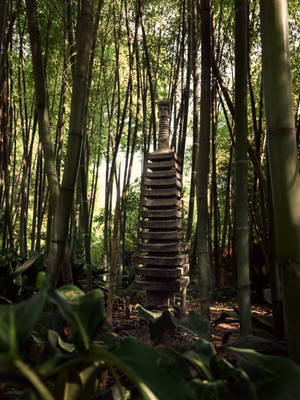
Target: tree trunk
x,y
214,189
3,12
114,252
204,266
149,72
284,167
195,47
186,89
74,145
41,99
241,161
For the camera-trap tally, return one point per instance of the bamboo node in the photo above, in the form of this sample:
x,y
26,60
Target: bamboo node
x,y
287,130
76,134
58,241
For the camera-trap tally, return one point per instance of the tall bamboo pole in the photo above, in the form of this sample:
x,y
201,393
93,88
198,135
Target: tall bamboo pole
x,y
241,162
204,264
283,161
195,67
42,104
3,12
74,145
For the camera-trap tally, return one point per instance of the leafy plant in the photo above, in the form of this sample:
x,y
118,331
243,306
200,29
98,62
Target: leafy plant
x,y
17,275
73,364
159,323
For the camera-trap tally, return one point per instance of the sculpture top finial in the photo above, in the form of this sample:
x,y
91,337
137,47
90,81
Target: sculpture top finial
x,y
164,118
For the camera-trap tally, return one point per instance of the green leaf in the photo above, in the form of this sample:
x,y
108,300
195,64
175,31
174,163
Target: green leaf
x,y
160,322
69,292
201,362
216,390
237,380
205,348
27,264
275,377
41,280
17,321
193,363
29,395
7,370
55,338
147,315
85,312
194,323
6,300
78,381
214,376
160,325
34,380
116,395
154,370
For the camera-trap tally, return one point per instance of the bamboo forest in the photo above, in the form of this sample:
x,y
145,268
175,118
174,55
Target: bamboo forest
x,y
150,199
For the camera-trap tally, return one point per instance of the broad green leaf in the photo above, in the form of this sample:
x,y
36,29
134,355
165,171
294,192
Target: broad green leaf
x,y
41,280
260,344
6,300
160,322
148,316
114,361
29,395
155,370
200,355
201,362
274,377
55,338
204,347
27,264
70,292
160,325
116,395
78,381
85,312
107,338
17,321
217,390
34,380
237,379
194,323
7,370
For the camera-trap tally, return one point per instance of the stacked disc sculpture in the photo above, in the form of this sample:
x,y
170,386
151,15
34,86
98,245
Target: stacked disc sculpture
x,y
163,253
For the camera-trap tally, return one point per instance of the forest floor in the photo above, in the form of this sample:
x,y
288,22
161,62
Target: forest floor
x,y
224,324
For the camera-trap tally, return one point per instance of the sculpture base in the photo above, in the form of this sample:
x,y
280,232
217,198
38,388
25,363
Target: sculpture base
x,y
159,300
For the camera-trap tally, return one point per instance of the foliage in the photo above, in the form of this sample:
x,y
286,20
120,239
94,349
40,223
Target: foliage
x,y
159,323
17,275
74,366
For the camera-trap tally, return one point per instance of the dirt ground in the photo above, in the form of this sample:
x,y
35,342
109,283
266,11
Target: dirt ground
x,y
222,332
